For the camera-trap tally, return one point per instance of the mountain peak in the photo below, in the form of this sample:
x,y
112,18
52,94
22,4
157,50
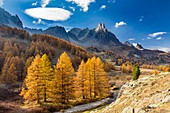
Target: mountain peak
x,y
138,46
100,27
9,20
128,44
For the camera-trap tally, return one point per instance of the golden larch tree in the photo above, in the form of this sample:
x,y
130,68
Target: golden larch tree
x,y
46,77
80,81
88,83
9,72
31,90
94,76
102,84
64,78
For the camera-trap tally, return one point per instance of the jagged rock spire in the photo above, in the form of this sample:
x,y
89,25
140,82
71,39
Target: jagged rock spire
x,y
100,27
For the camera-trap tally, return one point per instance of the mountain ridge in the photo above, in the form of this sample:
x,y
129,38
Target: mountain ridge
x,y
10,20
100,38
84,37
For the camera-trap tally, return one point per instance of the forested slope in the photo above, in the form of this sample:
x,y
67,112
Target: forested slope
x,y
17,49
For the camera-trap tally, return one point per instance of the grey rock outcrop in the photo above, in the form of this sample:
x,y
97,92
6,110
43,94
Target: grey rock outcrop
x,y
9,20
150,94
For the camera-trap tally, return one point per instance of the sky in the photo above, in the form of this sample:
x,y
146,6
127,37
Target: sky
x,y
138,21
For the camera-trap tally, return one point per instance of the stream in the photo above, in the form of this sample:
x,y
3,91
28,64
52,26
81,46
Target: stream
x,y
92,105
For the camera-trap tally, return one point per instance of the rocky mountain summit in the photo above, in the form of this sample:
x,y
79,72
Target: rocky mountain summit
x,y
9,20
94,37
150,94
128,44
138,46
83,37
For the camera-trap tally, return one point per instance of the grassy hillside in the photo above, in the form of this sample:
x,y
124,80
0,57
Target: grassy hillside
x,y
150,94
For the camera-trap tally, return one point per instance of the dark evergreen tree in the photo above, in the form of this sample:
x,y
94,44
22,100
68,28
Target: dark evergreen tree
x,y
136,72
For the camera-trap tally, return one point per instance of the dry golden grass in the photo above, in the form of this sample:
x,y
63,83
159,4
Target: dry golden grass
x,y
144,94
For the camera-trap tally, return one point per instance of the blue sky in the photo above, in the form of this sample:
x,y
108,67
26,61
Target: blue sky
x,y
138,21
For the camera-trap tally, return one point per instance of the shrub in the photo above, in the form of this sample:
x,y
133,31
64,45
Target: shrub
x,y
136,72
156,72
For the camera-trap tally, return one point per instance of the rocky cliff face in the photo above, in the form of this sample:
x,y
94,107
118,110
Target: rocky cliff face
x,y
150,94
93,37
138,46
128,44
57,31
83,37
9,20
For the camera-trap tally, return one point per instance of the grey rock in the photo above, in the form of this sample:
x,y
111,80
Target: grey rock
x,y
57,31
132,110
9,20
128,44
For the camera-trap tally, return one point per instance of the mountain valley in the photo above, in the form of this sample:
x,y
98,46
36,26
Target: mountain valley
x,y
80,70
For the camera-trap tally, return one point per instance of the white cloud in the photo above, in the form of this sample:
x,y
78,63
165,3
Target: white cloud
x,y
166,49
38,22
34,4
82,3
1,2
141,19
157,34
159,38
148,38
34,22
55,14
118,24
102,7
131,39
44,3
72,8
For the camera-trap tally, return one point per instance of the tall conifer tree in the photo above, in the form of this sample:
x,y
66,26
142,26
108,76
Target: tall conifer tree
x,y
102,84
80,82
64,77
46,77
31,91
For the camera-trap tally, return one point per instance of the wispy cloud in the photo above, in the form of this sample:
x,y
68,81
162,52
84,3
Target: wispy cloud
x,y
82,3
1,2
62,5
157,34
39,22
118,24
141,18
44,3
103,7
111,1
72,8
131,39
159,38
34,4
54,14
166,49
148,38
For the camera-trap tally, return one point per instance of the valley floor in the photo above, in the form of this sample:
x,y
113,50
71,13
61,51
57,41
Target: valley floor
x,y
10,100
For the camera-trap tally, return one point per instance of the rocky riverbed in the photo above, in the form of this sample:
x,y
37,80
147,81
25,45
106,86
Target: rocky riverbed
x,y
92,105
